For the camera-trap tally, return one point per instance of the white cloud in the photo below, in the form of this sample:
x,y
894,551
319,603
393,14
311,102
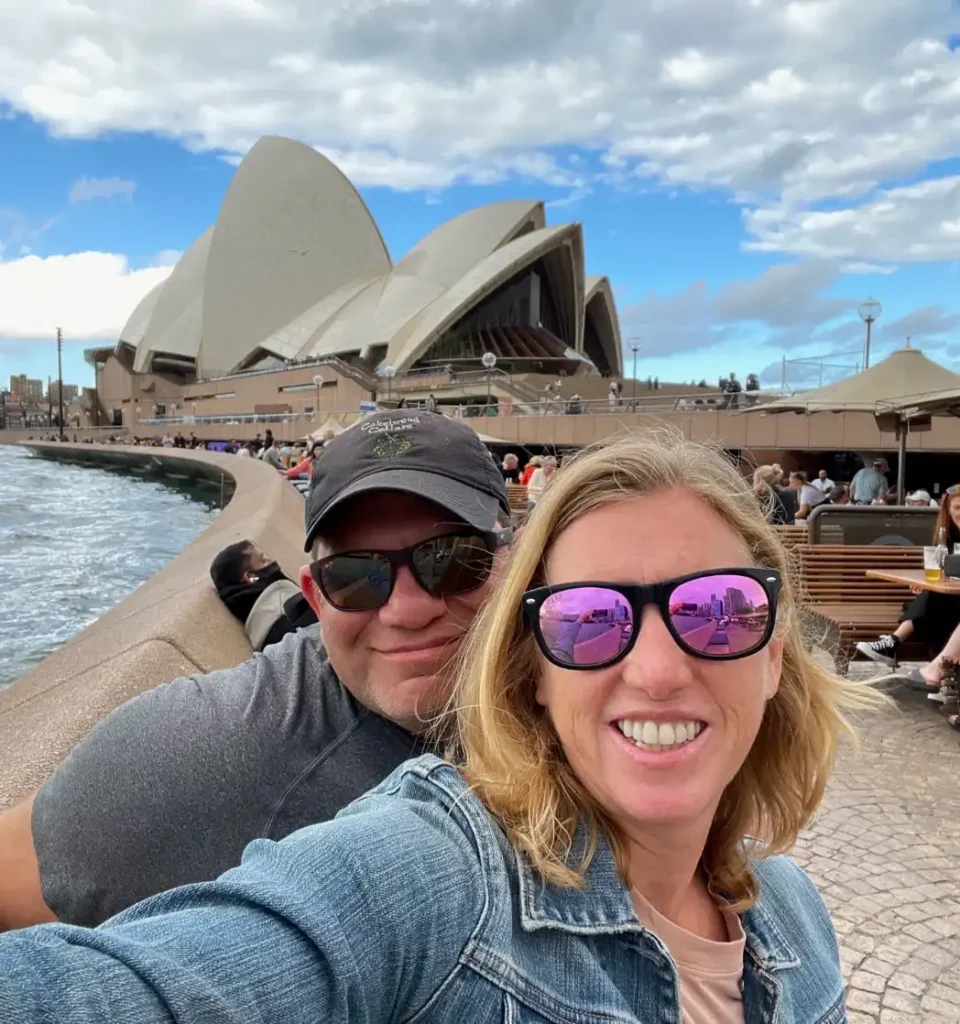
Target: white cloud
x,y
88,294
927,322
792,308
912,223
85,189
781,105
787,304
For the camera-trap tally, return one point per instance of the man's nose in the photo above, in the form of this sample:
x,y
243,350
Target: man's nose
x,y
657,665
410,606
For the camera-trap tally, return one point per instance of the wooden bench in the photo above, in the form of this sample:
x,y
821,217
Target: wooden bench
x,y
839,596
795,536
517,495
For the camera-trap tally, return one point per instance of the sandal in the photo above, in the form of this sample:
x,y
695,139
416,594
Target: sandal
x,y
954,722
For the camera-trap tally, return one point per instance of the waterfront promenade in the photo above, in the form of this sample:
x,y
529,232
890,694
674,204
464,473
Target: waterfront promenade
x,y
885,852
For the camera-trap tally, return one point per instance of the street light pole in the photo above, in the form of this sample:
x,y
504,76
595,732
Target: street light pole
x,y
635,348
489,361
869,311
389,372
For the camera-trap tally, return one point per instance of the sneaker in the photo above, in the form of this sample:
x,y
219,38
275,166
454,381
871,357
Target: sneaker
x,y
885,650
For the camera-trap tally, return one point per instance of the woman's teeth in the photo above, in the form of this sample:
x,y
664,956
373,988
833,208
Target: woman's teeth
x,y
659,735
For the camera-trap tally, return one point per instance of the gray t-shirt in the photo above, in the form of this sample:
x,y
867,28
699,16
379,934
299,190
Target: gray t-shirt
x,y
171,786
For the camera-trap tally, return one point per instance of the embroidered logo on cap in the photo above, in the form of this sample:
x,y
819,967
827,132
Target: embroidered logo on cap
x,y
390,446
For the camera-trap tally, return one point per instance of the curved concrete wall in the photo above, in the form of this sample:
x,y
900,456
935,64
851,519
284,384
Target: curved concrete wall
x,y
173,625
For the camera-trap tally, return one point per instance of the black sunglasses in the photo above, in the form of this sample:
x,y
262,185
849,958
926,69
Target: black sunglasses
x,y
455,563
719,615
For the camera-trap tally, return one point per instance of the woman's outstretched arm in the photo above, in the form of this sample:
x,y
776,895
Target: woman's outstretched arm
x,y
361,918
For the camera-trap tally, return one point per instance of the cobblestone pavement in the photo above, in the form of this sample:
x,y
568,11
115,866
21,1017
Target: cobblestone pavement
x,y
885,852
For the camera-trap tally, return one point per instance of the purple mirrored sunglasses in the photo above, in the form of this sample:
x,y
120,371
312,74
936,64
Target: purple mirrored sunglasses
x,y
720,615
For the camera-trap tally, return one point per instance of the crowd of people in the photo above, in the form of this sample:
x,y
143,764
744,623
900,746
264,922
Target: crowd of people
x,y
791,497
440,817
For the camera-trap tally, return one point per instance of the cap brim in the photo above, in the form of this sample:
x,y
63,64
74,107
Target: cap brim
x,y
476,508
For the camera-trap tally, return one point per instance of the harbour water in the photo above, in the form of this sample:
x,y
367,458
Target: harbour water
x,y
74,541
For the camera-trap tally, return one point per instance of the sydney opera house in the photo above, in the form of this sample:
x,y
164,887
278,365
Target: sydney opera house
x,y
294,275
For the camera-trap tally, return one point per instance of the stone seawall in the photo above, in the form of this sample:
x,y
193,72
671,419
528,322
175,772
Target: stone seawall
x,y
40,434
172,625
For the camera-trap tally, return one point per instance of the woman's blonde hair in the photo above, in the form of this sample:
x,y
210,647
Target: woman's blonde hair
x,y
506,745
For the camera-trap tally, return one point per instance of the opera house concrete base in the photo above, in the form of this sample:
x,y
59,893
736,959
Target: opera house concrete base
x,y
173,625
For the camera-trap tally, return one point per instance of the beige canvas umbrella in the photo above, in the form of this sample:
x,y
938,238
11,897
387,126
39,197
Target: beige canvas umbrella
x,y
905,385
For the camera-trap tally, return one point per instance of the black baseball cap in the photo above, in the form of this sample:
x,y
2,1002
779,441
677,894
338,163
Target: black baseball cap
x,y
414,452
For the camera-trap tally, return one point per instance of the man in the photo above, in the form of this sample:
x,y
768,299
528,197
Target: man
x,y
511,468
823,483
271,455
869,484
253,586
731,389
839,495
404,529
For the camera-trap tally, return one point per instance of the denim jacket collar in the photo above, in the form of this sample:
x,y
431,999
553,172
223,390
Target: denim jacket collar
x,y
604,906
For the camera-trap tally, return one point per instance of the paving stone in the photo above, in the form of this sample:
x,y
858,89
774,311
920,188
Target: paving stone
x,y
894,999
874,965
885,852
907,983
930,1004
866,1002
889,1016
867,982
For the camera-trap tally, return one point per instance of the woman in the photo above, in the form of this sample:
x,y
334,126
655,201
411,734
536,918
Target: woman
x,y
530,468
808,497
540,480
930,618
765,481
305,466
634,703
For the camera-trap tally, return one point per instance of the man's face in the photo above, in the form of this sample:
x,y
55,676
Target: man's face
x,y
394,659
256,561
823,474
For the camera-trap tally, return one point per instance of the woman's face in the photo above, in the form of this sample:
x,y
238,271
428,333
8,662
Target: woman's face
x,y
645,540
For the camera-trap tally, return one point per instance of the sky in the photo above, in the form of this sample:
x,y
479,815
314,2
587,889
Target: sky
x,y
746,171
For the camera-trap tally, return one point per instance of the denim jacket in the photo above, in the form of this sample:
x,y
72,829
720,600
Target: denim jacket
x,y
409,906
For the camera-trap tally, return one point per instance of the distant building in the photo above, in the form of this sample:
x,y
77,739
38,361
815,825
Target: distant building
x,y
736,602
70,392
25,388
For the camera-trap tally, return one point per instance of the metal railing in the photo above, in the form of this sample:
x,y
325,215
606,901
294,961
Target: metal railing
x,y
543,407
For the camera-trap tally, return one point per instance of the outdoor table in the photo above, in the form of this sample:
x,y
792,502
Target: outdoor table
x,y
916,579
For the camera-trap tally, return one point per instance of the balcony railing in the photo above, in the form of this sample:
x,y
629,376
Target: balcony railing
x,y
650,404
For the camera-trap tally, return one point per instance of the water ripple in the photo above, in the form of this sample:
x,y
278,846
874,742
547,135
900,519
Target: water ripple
x,y
74,541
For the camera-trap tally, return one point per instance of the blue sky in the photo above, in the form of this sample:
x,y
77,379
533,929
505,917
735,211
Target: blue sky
x,y
745,173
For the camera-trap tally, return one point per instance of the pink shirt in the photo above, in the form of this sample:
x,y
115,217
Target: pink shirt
x,y
710,972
